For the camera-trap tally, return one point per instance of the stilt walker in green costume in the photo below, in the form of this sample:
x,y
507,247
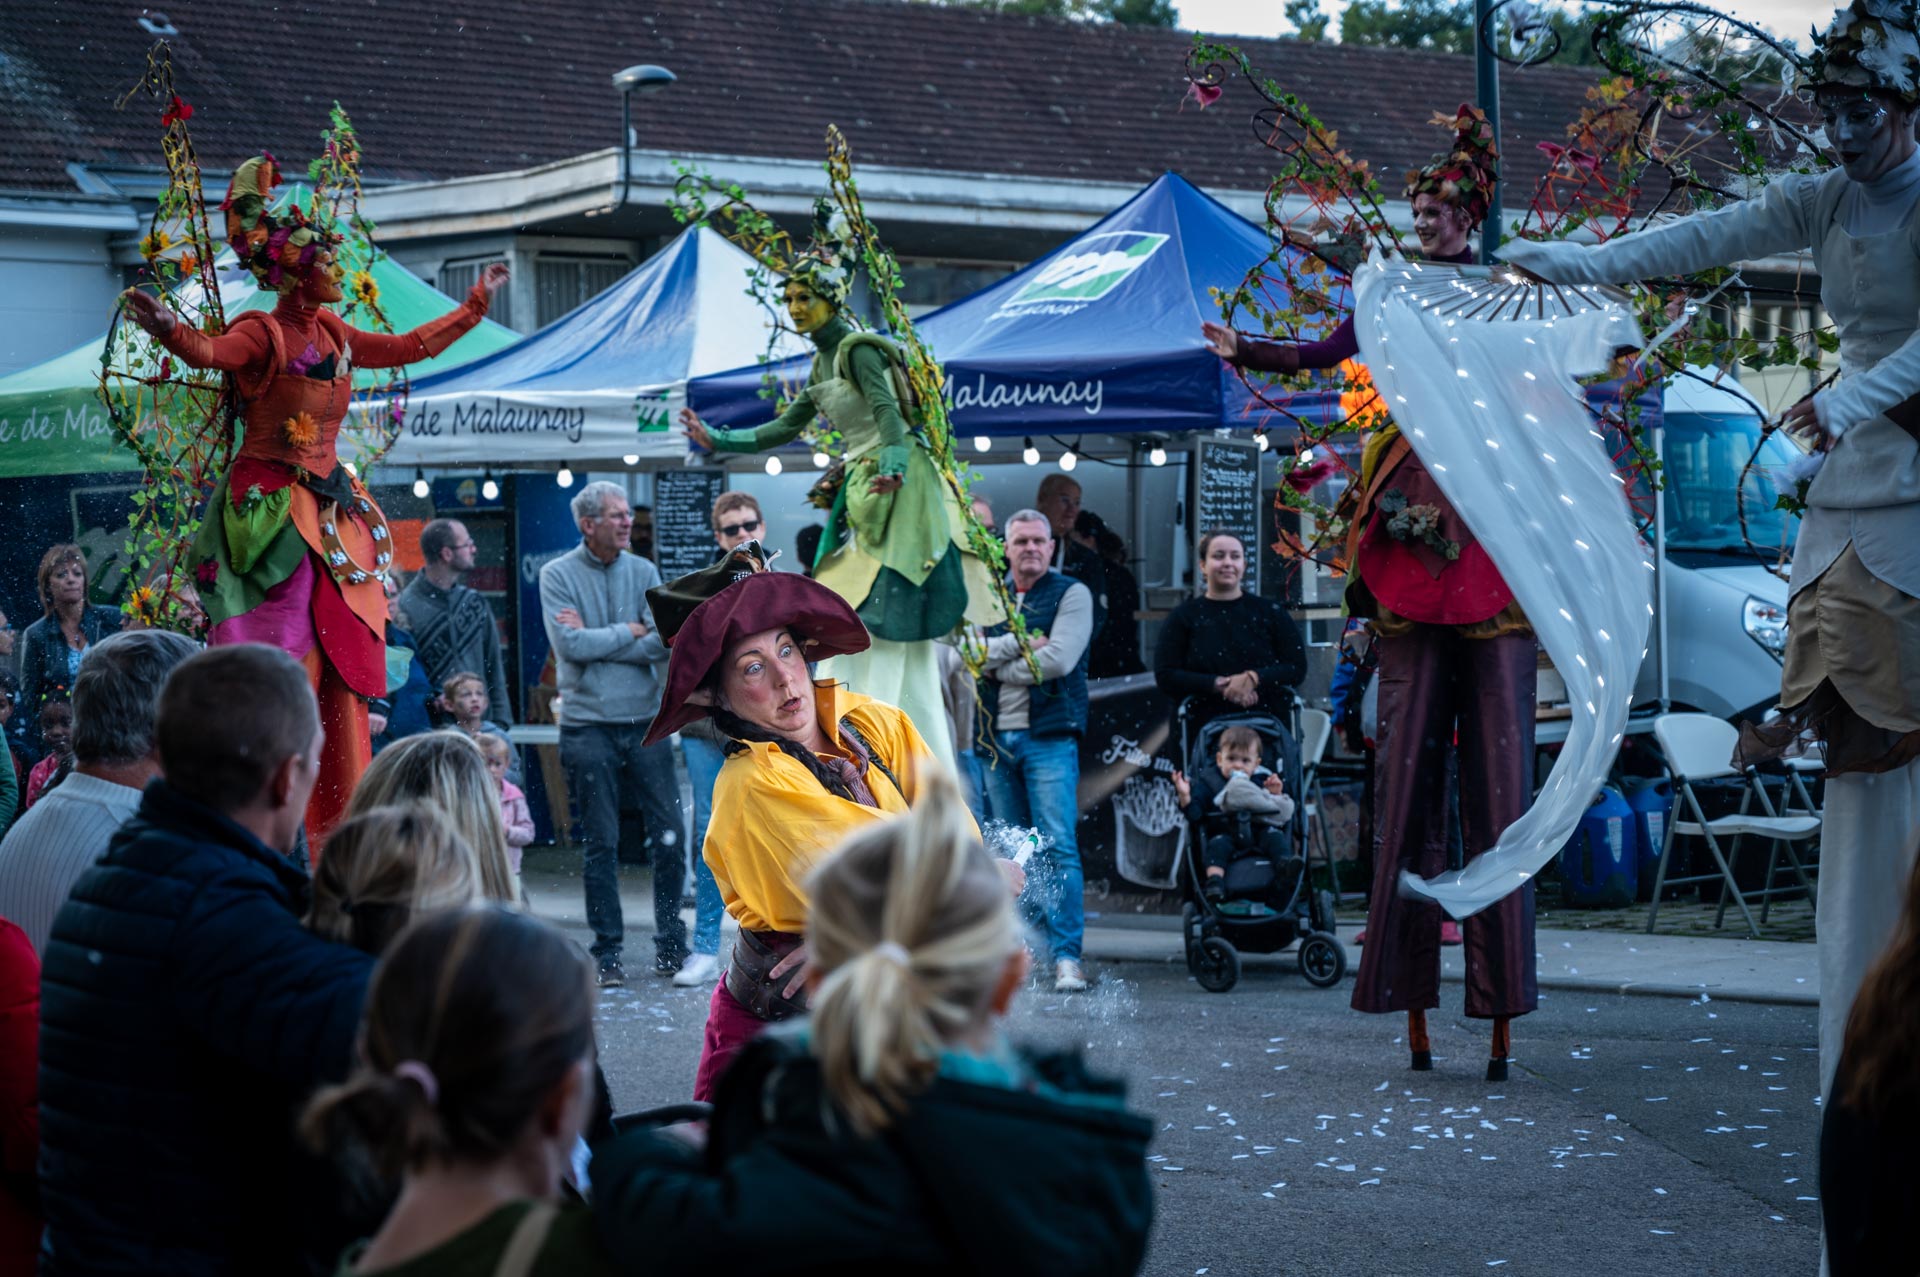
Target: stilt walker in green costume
x,y
901,546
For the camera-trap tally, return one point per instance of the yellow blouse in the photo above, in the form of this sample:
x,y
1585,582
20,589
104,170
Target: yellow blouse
x,y
773,821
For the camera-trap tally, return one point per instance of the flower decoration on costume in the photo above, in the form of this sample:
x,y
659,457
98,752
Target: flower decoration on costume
x,y
1871,45
366,289
1416,523
207,575
278,248
154,243
1305,478
1463,176
301,430
178,111
1202,94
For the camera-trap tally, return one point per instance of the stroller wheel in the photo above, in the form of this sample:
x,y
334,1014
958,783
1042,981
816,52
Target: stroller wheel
x,y
1325,921
1218,966
1322,961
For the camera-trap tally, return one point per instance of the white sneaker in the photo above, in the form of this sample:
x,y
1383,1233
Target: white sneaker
x,y
1068,977
698,969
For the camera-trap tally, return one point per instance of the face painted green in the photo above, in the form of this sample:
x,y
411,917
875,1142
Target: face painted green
x,y
807,309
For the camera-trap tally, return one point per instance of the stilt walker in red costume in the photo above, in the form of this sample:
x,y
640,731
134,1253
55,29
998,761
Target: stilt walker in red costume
x,y
1457,664
292,551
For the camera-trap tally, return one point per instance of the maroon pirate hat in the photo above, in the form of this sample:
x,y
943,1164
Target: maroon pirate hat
x,y
701,614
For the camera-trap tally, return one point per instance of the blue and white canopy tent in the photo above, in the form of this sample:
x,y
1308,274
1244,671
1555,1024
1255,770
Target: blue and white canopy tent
x,y
1100,337
603,382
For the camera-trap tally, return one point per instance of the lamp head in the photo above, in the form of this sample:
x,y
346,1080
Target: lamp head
x,y
645,78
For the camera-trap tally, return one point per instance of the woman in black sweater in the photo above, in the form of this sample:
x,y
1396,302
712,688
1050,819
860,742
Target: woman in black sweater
x,y
1235,651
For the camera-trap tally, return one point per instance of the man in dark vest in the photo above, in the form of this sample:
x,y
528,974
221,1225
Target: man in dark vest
x,y
1033,769
452,625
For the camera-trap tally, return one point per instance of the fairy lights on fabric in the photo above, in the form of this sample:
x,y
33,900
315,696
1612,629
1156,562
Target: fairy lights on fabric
x,y
1483,374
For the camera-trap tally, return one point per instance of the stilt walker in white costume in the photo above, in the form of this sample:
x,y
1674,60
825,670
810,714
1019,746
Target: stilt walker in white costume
x,y
901,545
1852,666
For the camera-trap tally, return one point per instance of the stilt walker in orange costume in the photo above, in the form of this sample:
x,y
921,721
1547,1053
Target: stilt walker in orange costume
x,y
292,551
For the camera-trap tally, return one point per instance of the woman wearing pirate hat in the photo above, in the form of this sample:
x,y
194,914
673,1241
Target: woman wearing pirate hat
x,y
807,764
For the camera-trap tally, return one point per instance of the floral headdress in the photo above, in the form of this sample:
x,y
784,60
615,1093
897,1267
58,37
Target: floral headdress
x,y
278,248
1465,174
826,264
1872,46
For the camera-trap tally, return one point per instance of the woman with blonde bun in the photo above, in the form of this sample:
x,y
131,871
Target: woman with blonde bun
x,y
896,1129
386,866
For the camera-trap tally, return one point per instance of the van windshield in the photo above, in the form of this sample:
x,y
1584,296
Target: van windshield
x,y
1704,456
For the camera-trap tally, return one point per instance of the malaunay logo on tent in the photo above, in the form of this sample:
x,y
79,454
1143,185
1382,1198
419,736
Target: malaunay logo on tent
x,y
1072,280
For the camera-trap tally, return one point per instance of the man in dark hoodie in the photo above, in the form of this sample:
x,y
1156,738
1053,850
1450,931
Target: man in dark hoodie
x,y
184,1010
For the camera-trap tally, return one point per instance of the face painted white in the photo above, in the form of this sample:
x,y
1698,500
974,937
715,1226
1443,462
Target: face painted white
x,y
1868,135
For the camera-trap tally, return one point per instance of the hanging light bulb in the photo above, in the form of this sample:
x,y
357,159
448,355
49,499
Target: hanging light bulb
x,y
1157,456
1306,456
351,468
488,488
820,460
420,488
1069,459
564,478
632,459
981,443
1030,454
774,466
1260,437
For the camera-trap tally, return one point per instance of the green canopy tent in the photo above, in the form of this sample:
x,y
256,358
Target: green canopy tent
x,y
52,421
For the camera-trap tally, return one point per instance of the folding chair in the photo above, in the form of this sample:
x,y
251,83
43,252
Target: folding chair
x,y
1315,731
1699,747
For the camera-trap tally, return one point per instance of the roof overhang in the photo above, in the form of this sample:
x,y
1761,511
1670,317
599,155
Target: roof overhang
x,y
77,212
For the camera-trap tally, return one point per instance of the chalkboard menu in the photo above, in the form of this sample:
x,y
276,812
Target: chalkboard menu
x,y
1226,496
683,519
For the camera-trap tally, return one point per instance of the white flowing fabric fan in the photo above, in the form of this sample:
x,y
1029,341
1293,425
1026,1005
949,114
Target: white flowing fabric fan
x,y
1479,367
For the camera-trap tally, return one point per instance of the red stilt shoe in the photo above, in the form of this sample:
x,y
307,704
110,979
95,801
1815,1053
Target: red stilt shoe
x,y
1502,1048
1418,1041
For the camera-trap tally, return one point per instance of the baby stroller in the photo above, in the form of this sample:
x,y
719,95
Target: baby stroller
x,y
1265,906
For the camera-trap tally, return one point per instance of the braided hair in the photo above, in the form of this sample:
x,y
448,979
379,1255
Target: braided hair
x,y
731,724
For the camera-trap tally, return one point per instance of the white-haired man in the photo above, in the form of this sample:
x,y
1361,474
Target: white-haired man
x,y
594,601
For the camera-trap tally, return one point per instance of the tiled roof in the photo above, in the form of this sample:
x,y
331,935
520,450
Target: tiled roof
x,y
442,88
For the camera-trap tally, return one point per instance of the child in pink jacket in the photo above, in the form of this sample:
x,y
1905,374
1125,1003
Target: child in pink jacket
x,y
514,812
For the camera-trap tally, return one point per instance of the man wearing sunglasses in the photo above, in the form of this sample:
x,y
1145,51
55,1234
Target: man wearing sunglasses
x,y
736,520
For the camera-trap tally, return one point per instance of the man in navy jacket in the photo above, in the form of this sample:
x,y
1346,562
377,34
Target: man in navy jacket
x,y
185,1014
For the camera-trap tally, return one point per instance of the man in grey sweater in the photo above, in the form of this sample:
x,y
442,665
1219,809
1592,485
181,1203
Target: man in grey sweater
x,y
594,602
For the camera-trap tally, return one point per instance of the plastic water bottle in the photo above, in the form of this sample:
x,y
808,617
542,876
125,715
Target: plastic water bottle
x,y
1031,845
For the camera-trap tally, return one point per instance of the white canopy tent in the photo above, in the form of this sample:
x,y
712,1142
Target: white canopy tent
x,y
604,383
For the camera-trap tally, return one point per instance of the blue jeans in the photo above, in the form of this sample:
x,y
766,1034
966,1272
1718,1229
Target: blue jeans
x,y
703,768
1031,782
973,782
603,762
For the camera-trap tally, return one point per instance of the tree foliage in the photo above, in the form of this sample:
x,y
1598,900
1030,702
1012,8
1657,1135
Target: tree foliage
x,y
1442,26
1126,13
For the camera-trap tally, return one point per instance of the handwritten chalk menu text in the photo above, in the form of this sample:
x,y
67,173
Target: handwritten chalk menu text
x,y
683,519
1226,496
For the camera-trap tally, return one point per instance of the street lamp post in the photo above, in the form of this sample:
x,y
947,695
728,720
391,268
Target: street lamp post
x,y
645,78
1486,90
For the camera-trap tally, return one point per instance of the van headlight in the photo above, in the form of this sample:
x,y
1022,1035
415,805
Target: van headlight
x,y
1766,624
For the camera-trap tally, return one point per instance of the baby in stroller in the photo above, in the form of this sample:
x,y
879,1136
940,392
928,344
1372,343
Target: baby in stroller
x,y
1242,808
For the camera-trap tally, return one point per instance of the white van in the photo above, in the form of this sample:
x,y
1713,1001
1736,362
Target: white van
x,y
1726,613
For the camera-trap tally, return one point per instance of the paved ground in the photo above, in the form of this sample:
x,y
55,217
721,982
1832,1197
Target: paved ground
x,y
1650,1135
